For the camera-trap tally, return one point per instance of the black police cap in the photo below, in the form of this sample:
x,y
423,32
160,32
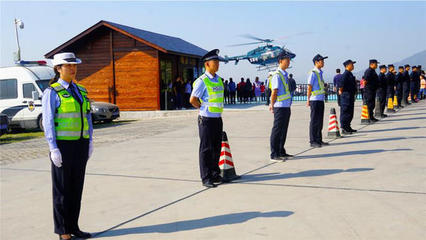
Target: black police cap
x,y
406,65
286,54
401,67
419,66
382,66
212,55
391,65
347,62
318,57
373,61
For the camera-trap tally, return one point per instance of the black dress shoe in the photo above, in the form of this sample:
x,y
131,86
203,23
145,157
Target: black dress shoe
x,y
374,120
353,130
209,184
384,115
286,156
217,180
81,234
346,132
315,145
324,143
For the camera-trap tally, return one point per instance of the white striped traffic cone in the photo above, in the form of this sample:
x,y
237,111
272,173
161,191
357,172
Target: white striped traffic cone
x,y
226,165
333,125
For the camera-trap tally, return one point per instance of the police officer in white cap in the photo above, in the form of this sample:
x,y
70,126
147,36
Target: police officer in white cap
x,y
68,129
207,96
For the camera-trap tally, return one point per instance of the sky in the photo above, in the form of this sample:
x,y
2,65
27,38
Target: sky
x,y
388,31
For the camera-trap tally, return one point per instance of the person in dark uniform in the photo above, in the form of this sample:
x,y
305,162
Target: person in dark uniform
x,y
371,84
315,100
415,80
280,107
399,82
347,91
406,84
68,129
381,91
207,96
390,81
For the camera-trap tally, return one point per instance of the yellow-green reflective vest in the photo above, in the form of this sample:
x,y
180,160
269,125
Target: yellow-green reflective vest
x,y
321,89
287,94
71,117
215,91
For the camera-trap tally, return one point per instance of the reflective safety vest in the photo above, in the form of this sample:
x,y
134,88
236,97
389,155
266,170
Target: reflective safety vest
x,y
287,94
70,117
215,91
321,89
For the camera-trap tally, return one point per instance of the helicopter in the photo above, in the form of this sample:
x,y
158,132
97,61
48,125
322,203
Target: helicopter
x,y
266,56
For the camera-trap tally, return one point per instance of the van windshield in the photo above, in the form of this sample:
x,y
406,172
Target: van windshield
x,y
43,84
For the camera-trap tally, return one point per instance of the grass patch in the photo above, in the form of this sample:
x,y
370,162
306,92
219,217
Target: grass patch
x,y
20,136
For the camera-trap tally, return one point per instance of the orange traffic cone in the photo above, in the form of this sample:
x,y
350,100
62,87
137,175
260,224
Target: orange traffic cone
x,y
333,125
390,106
365,118
226,165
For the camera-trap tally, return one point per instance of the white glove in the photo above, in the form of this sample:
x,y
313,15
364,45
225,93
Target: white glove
x,y
90,149
56,157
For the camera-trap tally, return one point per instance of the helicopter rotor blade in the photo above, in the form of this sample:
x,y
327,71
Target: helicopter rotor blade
x,y
243,44
249,36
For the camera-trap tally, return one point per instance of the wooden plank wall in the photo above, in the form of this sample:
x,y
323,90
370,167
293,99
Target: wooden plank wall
x,y
137,74
95,73
136,70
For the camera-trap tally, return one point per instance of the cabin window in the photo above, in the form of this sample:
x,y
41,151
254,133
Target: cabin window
x,y
8,88
28,89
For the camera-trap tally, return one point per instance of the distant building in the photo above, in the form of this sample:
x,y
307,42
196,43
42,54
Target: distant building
x,y
131,67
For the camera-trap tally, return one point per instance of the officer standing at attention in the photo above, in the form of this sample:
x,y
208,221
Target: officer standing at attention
x,y
347,92
68,129
399,79
371,84
316,96
207,96
381,91
280,107
390,81
406,84
415,78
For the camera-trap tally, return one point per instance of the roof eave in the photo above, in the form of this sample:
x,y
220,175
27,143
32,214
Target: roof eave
x,y
94,27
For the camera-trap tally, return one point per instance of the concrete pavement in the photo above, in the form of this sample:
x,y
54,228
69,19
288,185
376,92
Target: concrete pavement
x,y
370,185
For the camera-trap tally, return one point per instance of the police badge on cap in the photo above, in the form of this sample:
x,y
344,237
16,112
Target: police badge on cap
x,y
212,55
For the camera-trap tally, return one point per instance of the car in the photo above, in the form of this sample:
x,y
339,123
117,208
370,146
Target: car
x,y
21,88
103,111
4,124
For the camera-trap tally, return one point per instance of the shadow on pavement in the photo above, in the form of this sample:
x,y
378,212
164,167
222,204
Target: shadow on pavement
x,y
309,173
226,219
390,129
405,119
347,153
379,140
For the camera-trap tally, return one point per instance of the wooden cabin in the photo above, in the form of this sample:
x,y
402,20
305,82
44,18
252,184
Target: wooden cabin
x,y
131,67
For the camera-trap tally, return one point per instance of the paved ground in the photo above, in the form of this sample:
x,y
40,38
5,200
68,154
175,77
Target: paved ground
x,y
143,183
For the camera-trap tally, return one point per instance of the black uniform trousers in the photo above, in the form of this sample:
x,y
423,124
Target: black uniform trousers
x,y
347,103
279,131
67,184
399,94
406,90
317,120
390,93
210,131
381,96
370,100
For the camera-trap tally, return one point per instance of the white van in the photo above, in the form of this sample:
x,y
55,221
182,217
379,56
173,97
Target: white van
x,y
21,89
